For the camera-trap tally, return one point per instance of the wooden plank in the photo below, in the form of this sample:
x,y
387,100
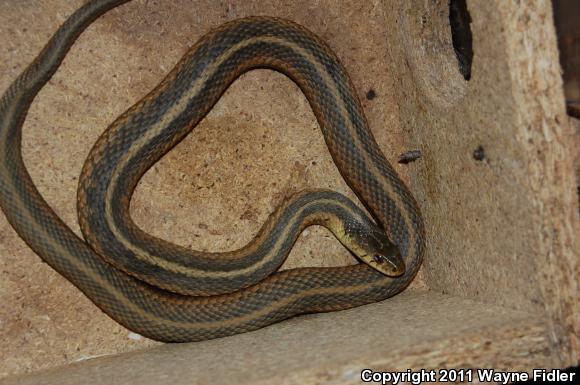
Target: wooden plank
x,y
415,330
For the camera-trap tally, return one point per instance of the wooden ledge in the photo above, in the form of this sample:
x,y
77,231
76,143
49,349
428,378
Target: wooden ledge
x,y
417,329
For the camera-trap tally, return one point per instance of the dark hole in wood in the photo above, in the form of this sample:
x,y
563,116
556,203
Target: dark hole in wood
x,y
459,19
567,20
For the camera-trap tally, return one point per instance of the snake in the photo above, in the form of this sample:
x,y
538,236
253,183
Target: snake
x,y
169,293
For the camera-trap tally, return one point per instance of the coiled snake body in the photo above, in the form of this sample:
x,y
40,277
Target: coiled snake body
x,y
204,296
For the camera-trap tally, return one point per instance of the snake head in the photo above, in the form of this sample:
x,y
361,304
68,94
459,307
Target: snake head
x,y
371,245
387,260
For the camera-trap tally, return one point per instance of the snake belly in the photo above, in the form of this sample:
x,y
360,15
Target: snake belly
x,y
194,86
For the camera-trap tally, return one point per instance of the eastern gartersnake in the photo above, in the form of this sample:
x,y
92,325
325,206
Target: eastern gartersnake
x,y
151,128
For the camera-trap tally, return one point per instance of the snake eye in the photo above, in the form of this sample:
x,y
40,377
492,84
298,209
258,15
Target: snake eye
x,y
379,259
